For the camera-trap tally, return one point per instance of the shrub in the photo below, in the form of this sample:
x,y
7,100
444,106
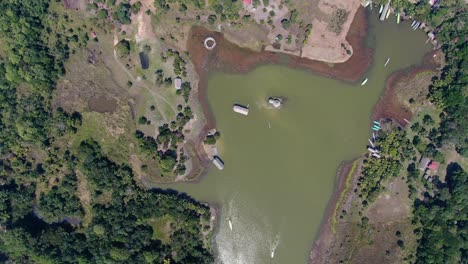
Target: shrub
x,y
123,48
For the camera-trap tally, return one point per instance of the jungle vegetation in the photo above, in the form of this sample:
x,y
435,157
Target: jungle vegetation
x,y
61,205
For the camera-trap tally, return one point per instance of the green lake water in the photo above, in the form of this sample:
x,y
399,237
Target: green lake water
x,y
277,181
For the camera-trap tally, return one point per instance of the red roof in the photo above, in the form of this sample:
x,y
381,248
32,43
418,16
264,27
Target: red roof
x,y
247,2
433,165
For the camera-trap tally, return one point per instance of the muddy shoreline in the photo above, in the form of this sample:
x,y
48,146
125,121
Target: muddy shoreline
x,y
322,241
387,107
228,57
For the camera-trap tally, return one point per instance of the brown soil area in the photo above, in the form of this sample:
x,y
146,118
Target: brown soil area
x,y
71,4
102,104
389,106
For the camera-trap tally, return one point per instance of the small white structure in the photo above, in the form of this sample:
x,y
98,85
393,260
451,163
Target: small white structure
x,y
275,102
178,83
210,43
218,162
240,109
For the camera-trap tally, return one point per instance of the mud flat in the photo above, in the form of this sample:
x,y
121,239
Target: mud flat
x,y
390,106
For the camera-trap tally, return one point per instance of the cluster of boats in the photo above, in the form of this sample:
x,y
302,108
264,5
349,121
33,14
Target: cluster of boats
x,y
372,148
384,12
415,25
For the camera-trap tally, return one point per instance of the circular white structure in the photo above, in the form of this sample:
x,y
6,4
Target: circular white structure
x,y
210,43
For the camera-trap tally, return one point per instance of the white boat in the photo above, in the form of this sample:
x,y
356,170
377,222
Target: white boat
x,y
372,144
218,162
365,81
372,150
230,223
398,18
414,23
376,155
388,13
272,254
386,62
381,9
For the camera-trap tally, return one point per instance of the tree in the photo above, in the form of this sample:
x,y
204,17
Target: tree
x,y
211,19
123,48
122,13
285,23
102,14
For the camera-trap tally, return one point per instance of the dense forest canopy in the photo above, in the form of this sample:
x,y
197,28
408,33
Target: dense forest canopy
x,y
53,222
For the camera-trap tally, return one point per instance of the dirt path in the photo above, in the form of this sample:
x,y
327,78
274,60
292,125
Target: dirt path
x,y
158,98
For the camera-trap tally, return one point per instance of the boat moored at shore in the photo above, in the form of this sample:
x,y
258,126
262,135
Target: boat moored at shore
x,y
218,162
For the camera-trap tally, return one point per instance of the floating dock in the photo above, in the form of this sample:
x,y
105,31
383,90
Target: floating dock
x,y
244,110
218,162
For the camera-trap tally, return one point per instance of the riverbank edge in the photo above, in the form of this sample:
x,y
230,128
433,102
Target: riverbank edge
x,y
387,107
228,57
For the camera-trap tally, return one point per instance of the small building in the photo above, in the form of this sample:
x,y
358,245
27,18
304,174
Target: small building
x,y
178,83
433,165
424,163
93,35
218,162
431,36
240,109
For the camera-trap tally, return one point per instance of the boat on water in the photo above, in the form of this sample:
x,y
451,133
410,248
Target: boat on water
x,y
372,150
272,254
398,18
376,155
365,81
372,144
230,223
218,162
243,110
377,123
388,14
386,62
381,9
416,26
414,23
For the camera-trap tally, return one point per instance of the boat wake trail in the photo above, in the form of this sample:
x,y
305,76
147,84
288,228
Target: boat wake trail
x,y
274,245
243,243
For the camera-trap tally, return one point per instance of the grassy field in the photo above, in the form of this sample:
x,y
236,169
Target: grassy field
x,y
162,228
